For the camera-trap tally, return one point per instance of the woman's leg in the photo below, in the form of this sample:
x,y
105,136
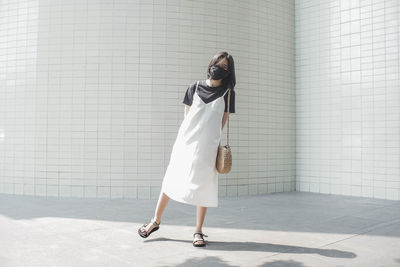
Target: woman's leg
x,y
201,214
161,205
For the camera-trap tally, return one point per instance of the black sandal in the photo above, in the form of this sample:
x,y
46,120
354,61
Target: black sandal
x,y
145,235
202,239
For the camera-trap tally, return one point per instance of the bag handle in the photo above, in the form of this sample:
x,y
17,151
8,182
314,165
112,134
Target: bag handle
x,y
227,133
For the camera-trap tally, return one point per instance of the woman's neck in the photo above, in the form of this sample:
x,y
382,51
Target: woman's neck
x,y
213,83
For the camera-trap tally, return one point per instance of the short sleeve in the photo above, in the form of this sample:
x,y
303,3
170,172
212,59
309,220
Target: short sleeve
x,y
231,103
188,99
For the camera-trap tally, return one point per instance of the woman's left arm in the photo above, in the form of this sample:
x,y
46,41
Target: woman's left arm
x,y
224,118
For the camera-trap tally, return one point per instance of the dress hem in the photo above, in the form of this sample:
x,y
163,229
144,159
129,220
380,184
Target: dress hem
x,y
188,202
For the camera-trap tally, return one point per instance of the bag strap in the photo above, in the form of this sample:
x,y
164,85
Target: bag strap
x,y
227,133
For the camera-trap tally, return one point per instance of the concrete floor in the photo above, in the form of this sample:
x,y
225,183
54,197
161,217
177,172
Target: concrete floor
x,y
282,229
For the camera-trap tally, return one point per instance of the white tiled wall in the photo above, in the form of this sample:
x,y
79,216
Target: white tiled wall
x,y
348,97
91,93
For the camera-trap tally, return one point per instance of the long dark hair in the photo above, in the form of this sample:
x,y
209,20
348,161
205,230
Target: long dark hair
x,y
230,80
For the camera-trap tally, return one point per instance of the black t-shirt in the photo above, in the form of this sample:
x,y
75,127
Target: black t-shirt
x,y
208,94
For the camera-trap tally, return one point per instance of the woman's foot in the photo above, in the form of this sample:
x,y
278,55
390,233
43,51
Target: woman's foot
x,y
198,239
147,229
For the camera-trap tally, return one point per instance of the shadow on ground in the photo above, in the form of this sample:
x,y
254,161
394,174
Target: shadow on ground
x,y
265,247
217,262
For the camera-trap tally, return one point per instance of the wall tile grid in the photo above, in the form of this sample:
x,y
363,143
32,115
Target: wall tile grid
x,y
91,93
348,98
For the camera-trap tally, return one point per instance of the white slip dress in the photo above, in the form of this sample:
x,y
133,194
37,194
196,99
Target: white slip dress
x,y
191,176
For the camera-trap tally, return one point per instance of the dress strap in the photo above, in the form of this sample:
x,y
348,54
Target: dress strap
x,y
225,92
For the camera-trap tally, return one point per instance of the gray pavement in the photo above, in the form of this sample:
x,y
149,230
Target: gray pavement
x,y
281,229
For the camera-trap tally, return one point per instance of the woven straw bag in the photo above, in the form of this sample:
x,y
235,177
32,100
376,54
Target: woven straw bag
x,y
224,156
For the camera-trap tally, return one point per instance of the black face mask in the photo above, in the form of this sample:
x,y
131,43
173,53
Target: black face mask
x,y
218,73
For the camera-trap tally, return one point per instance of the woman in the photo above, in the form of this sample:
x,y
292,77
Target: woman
x,y
191,176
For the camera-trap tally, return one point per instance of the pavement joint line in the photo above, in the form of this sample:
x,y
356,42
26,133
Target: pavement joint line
x,y
381,225
351,236
350,214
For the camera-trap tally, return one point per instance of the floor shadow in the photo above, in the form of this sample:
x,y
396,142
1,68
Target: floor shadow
x,y
265,247
206,261
217,262
283,263
291,212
